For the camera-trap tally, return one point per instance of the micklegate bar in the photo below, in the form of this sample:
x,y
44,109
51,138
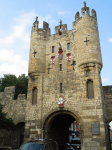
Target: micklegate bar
x,y
64,85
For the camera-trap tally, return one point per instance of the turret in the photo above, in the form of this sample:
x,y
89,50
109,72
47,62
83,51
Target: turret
x,y
37,57
87,38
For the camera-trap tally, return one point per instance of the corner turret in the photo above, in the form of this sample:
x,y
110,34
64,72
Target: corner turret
x,y
37,49
86,31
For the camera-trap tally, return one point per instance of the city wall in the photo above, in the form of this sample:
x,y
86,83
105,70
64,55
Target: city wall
x,y
15,109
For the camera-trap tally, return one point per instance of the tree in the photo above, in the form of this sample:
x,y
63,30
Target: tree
x,y
5,123
21,83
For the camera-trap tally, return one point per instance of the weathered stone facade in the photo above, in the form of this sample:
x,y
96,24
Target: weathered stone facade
x,y
76,80
15,109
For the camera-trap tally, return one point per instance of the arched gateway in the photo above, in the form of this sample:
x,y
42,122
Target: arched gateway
x,y
64,81
56,125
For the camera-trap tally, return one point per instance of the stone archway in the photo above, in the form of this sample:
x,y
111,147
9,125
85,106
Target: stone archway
x,y
108,132
56,125
18,134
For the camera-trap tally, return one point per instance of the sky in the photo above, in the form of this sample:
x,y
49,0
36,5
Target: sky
x,y
17,17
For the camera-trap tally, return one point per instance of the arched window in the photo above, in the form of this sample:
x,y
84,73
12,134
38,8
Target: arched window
x,y
90,90
34,96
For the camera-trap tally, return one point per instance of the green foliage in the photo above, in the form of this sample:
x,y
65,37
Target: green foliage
x,y
21,83
5,123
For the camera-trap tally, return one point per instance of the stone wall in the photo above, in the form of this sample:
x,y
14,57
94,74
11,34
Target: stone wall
x,y
15,109
107,90
10,138
6,137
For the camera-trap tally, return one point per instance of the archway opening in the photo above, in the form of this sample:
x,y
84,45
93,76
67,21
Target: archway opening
x,y
57,127
19,134
74,130
110,133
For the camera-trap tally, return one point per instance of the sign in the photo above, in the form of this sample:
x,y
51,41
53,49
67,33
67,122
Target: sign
x,y
95,129
61,101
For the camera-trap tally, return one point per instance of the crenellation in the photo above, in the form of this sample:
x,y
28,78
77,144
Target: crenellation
x,y
21,97
93,13
9,93
77,16
85,12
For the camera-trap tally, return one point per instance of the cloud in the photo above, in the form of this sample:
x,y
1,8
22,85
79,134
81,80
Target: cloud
x,y
20,30
110,40
63,12
104,79
12,63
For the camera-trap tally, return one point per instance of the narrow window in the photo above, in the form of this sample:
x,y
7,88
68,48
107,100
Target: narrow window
x,y
34,96
68,46
90,90
60,67
73,64
60,87
52,49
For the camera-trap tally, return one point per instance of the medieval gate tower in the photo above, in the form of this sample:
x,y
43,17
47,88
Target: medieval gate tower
x,y
64,82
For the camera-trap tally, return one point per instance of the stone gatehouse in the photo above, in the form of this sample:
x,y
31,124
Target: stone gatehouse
x,y
64,85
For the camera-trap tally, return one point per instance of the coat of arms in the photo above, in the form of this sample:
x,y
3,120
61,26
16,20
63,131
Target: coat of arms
x,y
61,101
60,54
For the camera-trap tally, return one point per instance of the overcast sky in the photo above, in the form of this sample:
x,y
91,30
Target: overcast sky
x,y
17,17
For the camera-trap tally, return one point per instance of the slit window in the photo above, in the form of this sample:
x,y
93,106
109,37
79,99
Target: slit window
x,y
90,90
60,67
34,96
68,46
60,87
73,64
53,49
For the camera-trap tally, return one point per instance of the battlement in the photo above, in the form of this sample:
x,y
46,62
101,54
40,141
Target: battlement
x,y
85,13
41,31
21,97
8,94
60,29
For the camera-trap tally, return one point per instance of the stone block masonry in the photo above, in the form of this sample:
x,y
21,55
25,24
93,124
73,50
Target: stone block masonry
x,y
64,85
15,109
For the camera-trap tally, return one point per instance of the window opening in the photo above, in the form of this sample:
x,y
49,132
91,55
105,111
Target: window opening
x,y
60,67
90,90
73,64
34,96
60,31
68,46
60,87
52,49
